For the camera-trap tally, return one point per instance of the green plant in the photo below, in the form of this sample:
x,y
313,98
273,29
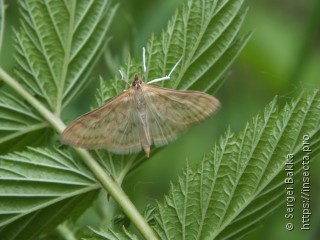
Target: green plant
x,y
43,184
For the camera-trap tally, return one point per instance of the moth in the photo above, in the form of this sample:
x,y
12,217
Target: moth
x,y
142,116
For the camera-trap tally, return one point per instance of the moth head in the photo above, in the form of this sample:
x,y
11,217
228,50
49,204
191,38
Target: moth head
x,y
136,82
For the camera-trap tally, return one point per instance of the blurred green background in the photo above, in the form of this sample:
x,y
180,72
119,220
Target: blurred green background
x,y
281,58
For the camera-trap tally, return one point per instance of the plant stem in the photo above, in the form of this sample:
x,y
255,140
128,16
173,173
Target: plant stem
x,y
53,120
65,232
105,179
119,196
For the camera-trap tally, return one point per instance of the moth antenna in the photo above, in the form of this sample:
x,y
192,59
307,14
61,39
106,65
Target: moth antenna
x,y
121,74
144,60
159,79
174,67
168,76
122,77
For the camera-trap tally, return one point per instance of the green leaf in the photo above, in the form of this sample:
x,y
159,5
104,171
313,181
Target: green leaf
x,y
106,91
203,32
39,189
110,234
242,180
118,165
19,124
58,44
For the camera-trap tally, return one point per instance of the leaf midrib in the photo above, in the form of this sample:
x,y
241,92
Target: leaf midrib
x,y
67,51
51,202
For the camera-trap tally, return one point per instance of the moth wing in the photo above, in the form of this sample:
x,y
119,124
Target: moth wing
x,y
114,126
170,112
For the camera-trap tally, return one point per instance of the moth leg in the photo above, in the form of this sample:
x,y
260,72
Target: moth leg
x,y
168,76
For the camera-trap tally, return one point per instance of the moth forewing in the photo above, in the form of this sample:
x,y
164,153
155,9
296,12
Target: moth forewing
x,y
171,112
112,126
